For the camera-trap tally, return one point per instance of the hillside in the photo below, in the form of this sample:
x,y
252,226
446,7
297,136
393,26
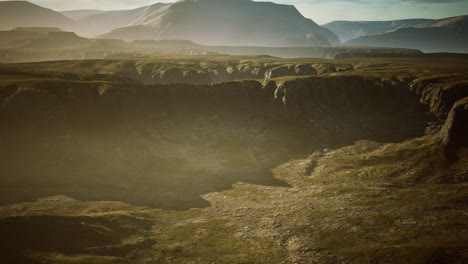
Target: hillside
x,y
347,30
444,35
26,14
102,22
226,22
54,40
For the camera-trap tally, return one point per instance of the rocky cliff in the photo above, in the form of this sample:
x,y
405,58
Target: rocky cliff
x,y
440,92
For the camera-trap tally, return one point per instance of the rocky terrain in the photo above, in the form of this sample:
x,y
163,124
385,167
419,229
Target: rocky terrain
x,y
368,159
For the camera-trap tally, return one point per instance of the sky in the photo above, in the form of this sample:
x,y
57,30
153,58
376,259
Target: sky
x,y
321,11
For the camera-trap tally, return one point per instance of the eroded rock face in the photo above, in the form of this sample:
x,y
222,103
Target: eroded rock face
x,y
287,70
271,72
324,68
306,98
172,75
305,70
440,92
455,130
33,108
152,73
315,97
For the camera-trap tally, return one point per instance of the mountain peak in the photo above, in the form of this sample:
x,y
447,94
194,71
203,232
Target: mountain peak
x,y
225,22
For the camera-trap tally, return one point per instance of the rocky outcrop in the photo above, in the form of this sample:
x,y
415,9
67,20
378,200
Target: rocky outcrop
x,y
94,106
280,71
277,87
454,132
440,92
150,73
343,94
341,52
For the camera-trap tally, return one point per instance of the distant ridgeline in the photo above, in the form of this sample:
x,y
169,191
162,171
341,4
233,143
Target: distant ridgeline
x,y
28,44
443,35
245,24
38,29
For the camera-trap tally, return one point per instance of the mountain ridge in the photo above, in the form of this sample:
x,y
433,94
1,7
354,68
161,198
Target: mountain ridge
x,y
442,35
347,30
78,14
224,23
26,14
106,21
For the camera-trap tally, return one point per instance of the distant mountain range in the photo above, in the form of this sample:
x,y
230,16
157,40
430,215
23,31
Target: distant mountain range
x,y
443,35
347,30
233,23
93,22
226,22
214,22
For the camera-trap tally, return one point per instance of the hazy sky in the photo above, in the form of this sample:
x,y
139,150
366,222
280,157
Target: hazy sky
x,y
321,11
